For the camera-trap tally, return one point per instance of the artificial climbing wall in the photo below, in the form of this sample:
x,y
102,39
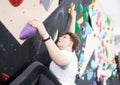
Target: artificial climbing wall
x,y
92,26
16,54
15,14
100,36
99,44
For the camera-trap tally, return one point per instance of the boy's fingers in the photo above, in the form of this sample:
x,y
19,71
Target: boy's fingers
x,y
73,7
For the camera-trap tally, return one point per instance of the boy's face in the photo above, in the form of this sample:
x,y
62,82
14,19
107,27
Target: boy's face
x,y
64,41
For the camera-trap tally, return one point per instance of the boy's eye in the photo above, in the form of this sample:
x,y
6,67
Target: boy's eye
x,y
64,37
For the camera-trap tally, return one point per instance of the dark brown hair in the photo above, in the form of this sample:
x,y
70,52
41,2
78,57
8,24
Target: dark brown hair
x,y
75,39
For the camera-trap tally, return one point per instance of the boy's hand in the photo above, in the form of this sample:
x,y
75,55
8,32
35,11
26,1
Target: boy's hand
x,y
40,27
73,12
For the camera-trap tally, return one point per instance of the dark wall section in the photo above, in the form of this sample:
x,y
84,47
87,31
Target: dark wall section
x,y
13,57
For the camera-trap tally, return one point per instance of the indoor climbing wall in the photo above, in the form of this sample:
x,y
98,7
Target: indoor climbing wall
x,y
92,26
100,36
16,54
99,44
16,13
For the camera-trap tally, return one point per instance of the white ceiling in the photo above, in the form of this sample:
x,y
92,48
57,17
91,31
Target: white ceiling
x,y
112,9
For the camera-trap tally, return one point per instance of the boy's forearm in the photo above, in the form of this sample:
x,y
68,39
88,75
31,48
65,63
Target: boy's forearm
x,y
72,25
